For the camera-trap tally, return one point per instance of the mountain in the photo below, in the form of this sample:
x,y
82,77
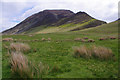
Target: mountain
x,y
54,19
118,19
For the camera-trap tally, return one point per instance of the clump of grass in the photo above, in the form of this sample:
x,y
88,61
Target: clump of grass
x,y
43,39
77,39
82,51
85,38
21,47
20,65
112,37
91,40
25,69
36,40
7,39
30,35
49,39
102,39
82,40
102,53
99,52
105,38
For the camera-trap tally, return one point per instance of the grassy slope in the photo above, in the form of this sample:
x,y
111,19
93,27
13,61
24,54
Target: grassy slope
x,y
59,53
110,28
61,28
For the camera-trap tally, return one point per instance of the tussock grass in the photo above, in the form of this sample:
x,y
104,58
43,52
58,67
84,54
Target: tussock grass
x,y
25,69
77,39
43,39
30,35
99,52
49,39
85,38
7,39
102,39
112,37
82,51
102,52
91,40
20,65
21,47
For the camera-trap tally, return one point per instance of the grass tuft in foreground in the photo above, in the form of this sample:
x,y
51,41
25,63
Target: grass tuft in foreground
x,y
21,66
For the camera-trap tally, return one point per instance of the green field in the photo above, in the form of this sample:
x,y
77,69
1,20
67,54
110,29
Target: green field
x,y
58,52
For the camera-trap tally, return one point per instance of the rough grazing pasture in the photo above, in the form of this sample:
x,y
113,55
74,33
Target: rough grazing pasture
x,y
57,54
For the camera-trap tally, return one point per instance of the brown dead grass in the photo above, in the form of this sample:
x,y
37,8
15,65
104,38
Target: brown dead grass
x,y
99,52
91,40
21,47
7,39
77,39
25,69
20,65
49,39
82,51
43,39
102,52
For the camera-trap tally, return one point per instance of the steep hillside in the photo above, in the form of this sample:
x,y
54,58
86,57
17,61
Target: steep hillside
x,y
66,27
110,28
54,19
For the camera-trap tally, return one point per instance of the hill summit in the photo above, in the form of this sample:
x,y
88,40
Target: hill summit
x,y
55,18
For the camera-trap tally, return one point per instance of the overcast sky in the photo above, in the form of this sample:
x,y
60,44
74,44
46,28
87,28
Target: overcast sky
x,y
15,11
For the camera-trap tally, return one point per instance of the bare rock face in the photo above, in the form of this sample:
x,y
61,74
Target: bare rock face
x,y
50,18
